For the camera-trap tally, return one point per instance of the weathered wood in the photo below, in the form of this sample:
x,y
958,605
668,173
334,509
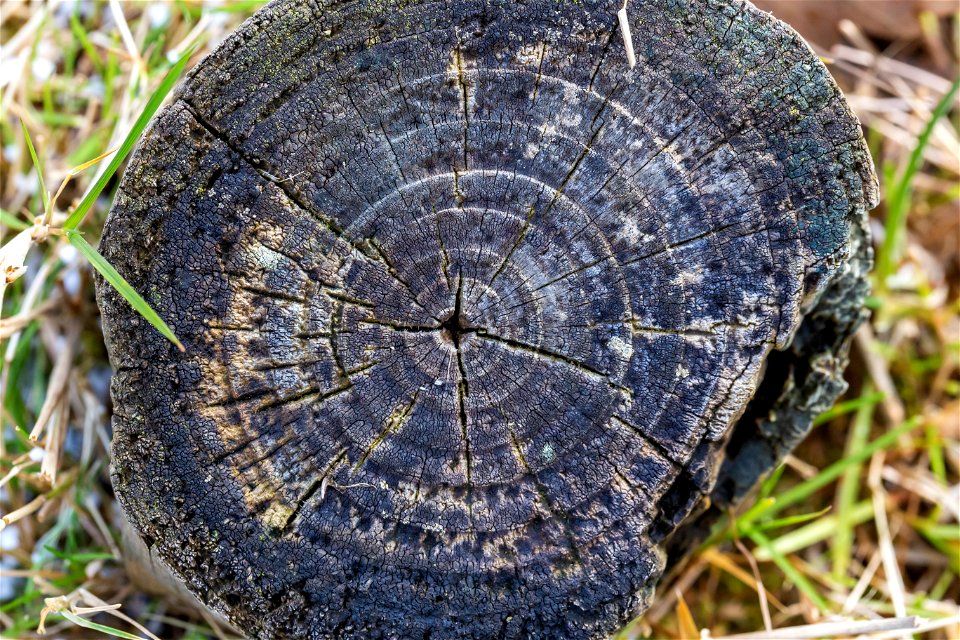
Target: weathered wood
x,y
472,309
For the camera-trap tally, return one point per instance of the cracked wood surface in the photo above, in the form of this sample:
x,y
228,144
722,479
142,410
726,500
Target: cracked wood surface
x,y
476,315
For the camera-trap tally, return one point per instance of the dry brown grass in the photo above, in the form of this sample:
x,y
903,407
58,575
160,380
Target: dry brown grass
x,y
881,548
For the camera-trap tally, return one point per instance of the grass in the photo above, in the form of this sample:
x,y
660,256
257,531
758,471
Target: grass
x,y
900,189
858,528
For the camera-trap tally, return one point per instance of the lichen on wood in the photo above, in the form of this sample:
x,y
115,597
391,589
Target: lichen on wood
x,y
476,314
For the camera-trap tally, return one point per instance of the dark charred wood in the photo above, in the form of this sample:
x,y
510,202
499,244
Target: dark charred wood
x,y
477,317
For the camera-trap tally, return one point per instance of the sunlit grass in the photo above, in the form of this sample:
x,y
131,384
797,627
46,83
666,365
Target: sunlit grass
x,y
878,475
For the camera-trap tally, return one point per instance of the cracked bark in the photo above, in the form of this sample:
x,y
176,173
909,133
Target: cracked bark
x,y
520,306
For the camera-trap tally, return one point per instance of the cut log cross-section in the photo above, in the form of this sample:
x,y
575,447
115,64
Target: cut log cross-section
x,y
479,319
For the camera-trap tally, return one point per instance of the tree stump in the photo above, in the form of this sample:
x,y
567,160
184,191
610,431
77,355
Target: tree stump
x,y
479,320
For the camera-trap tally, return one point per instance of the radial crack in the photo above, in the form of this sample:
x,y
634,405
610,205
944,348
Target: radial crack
x,y
680,243
283,186
316,485
239,399
341,297
462,81
336,318
394,272
558,192
536,84
463,390
237,448
394,423
273,365
540,351
410,328
272,293
287,438
320,394
665,453
699,333
445,266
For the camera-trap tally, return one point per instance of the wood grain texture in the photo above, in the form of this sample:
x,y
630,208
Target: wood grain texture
x,y
476,316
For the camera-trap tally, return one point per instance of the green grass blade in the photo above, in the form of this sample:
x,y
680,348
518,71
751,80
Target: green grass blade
x,y
36,165
806,489
790,571
789,521
122,286
29,596
12,221
102,628
848,489
128,143
22,628
747,522
80,35
948,532
239,6
816,531
848,406
900,190
943,537
80,557
748,517
940,589
13,401
938,464
768,485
